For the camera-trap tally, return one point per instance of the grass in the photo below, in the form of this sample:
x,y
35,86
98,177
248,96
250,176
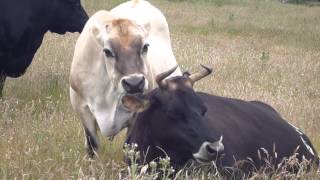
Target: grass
x,y
260,50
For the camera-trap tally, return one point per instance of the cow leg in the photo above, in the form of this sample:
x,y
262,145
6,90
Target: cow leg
x,y
88,122
91,143
2,81
90,128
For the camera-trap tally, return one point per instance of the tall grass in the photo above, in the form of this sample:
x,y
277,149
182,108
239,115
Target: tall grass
x,y
260,50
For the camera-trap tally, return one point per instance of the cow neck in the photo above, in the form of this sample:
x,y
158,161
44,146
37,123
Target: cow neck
x,y
104,103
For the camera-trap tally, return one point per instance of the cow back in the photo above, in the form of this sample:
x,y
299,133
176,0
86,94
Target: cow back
x,y
248,127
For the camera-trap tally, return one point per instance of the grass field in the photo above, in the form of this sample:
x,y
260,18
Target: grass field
x,y
259,49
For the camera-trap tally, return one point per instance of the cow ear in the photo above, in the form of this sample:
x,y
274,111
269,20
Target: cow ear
x,y
135,103
97,31
146,29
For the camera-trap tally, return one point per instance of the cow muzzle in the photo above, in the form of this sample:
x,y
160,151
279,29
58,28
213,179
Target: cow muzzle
x,y
134,84
208,151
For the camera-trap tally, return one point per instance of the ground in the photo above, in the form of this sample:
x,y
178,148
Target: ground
x,y
259,50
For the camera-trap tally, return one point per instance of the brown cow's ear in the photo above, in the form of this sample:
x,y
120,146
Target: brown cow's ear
x,y
135,103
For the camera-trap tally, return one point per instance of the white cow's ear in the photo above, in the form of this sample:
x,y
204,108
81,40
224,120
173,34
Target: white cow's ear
x,y
97,32
146,29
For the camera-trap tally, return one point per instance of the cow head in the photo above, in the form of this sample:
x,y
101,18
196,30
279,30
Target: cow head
x,y
174,120
124,48
66,15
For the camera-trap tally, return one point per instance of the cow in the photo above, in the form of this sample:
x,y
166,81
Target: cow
x,y
23,24
175,120
118,53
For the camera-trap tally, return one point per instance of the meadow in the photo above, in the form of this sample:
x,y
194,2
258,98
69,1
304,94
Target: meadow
x,y
259,50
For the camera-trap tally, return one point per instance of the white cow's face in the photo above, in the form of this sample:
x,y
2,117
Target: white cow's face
x,y
124,47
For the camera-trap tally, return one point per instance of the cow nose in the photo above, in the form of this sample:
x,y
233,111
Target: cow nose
x,y
209,150
133,84
213,150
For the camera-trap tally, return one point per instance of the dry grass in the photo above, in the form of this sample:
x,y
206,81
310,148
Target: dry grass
x,y
260,50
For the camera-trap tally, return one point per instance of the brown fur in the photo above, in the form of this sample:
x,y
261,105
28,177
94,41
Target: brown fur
x,y
122,29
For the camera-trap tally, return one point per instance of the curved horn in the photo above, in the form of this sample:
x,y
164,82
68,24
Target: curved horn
x,y
197,76
162,76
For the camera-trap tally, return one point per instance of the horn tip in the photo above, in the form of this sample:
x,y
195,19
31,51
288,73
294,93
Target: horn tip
x,y
207,68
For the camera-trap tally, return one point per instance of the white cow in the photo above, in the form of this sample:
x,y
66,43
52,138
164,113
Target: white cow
x,y
118,52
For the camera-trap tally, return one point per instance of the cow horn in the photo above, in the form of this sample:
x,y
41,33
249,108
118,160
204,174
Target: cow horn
x,y
197,76
162,76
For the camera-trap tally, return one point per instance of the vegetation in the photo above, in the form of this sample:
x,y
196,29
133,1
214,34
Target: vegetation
x,y
260,50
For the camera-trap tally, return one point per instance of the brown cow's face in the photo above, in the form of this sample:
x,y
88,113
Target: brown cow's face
x,y
125,49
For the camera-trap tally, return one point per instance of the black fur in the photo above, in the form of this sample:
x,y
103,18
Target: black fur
x,y
23,24
179,120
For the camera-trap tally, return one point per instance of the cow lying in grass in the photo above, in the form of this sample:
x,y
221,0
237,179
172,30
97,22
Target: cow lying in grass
x,y
184,124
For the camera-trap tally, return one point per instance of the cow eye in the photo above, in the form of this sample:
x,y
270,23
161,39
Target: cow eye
x,y
108,53
145,48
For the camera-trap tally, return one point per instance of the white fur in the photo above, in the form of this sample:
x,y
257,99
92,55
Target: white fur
x,y
303,140
93,93
203,155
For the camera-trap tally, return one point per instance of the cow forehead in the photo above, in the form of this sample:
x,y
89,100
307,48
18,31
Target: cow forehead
x,y
120,45
178,83
181,93
124,32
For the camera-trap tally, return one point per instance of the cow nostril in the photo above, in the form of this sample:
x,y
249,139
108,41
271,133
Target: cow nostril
x,y
133,84
141,83
125,85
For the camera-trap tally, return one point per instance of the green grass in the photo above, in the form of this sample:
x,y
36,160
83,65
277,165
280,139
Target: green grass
x,y
260,50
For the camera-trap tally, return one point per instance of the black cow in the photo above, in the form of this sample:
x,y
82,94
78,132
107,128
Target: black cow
x,y
188,125
23,24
